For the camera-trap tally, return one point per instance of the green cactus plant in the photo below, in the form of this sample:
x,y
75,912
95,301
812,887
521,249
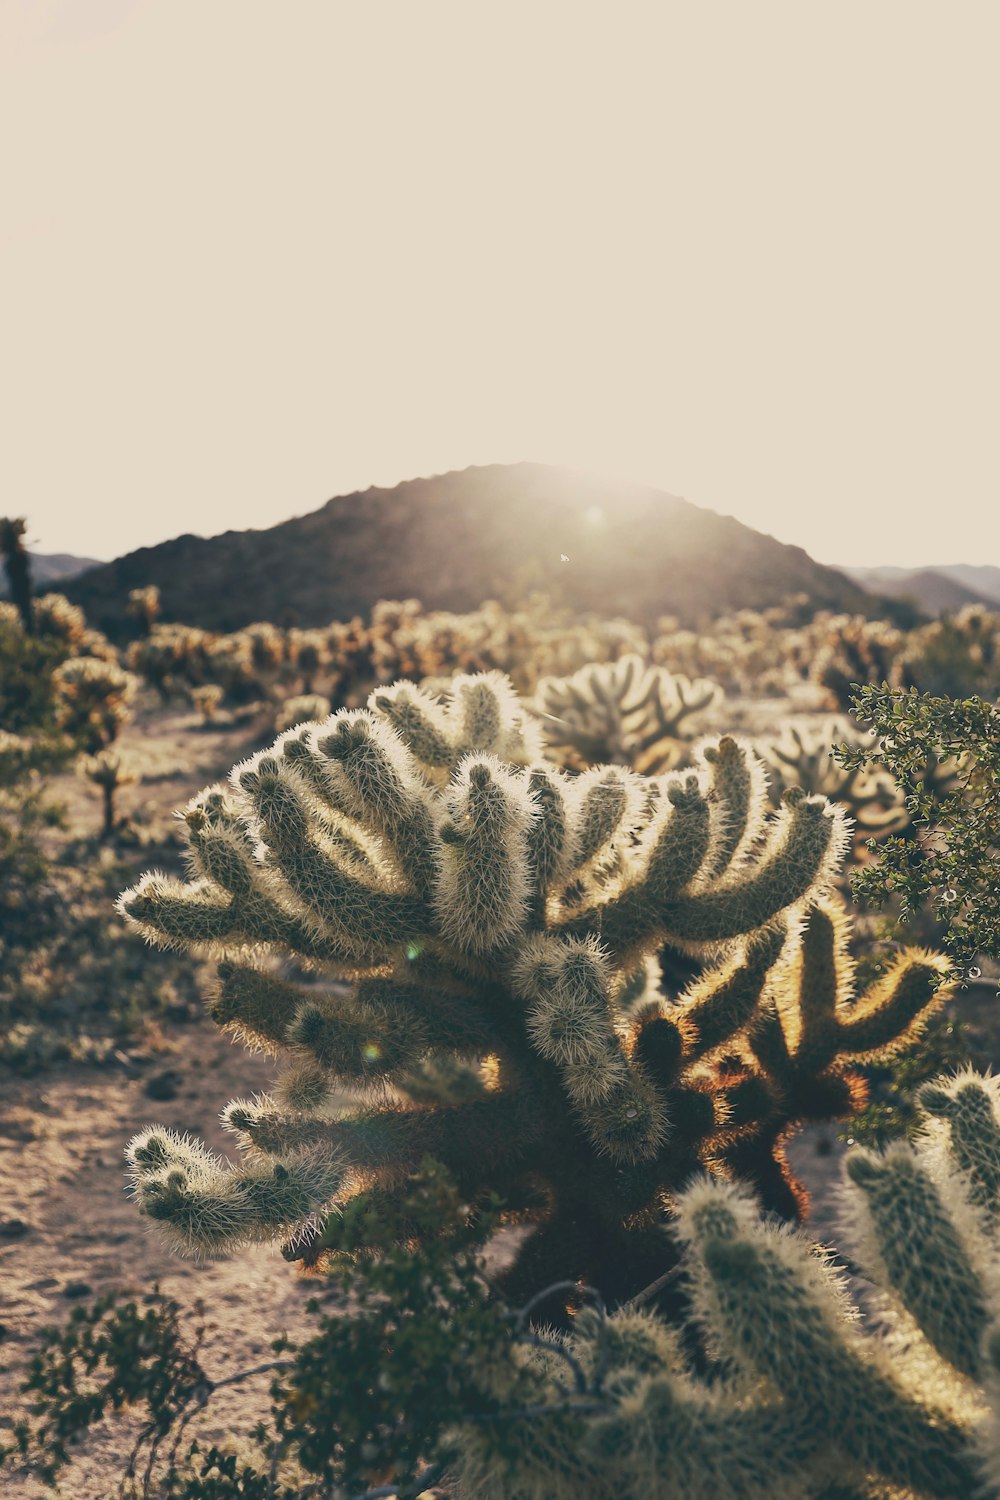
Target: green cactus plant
x,y
474,920
207,698
92,700
144,607
793,1398
854,650
300,709
802,756
621,713
109,771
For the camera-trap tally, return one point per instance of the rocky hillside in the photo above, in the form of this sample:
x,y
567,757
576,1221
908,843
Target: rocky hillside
x,y
936,591
456,539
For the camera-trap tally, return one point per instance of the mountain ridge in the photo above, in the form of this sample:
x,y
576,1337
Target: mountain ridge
x,y
937,589
455,539
48,568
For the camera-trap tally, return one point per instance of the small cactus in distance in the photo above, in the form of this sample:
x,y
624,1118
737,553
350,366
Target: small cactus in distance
x,y
622,713
93,700
144,607
802,756
475,919
301,709
206,698
109,771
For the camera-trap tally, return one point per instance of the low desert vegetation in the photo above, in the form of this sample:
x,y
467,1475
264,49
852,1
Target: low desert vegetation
x,y
557,936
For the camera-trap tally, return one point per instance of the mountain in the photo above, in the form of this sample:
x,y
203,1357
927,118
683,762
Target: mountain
x,y
935,590
456,539
50,568
982,577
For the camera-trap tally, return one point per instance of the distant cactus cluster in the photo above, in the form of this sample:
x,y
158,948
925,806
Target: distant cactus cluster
x,y
801,756
476,927
790,1398
622,713
958,656
854,650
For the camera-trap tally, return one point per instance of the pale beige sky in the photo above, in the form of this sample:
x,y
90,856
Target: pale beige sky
x,y
257,254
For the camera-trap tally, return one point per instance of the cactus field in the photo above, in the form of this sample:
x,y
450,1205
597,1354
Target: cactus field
x,y
558,907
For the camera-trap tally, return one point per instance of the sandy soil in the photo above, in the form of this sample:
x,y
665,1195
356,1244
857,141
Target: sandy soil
x,y
61,1178
61,1181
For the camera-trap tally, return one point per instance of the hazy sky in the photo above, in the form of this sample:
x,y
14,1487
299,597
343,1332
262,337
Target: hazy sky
x,y
258,254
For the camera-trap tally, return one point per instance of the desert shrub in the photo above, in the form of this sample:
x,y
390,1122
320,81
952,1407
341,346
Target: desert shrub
x,y
802,755
301,709
952,862
144,607
207,699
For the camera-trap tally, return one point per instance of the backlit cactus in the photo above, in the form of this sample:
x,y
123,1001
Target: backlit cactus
x,y
109,771
801,756
478,927
790,1397
92,698
622,713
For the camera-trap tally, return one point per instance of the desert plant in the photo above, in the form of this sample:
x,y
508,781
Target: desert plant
x,y
945,755
206,699
309,652
92,700
491,914
17,564
780,1389
957,656
621,713
301,709
109,771
802,755
144,607
799,1401
854,651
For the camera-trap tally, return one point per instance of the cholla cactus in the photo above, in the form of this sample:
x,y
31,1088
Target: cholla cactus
x,y
621,713
93,700
801,756
491,913
301,709
206,699
109,771
309,652
171,656
855,650
144,606
799,1402
958,656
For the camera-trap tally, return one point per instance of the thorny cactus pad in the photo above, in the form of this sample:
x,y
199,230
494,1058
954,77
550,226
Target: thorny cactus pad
x,y
466,932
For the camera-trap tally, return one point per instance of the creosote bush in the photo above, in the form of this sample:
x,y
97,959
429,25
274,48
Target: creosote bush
x,y
475,928
945,755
